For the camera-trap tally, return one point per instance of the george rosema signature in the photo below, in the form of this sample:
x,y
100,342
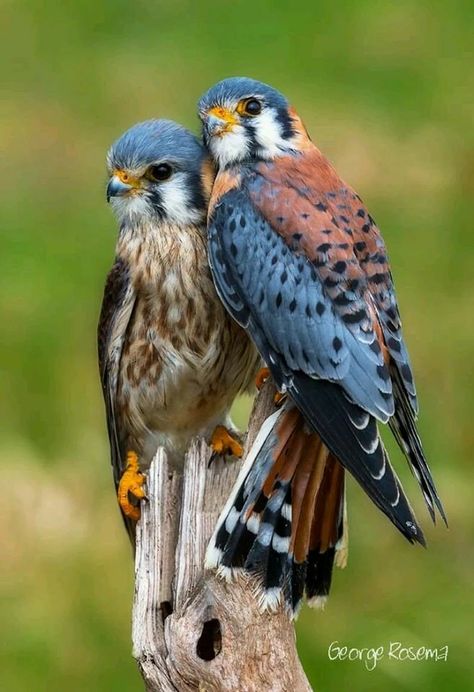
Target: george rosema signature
x,y
370,656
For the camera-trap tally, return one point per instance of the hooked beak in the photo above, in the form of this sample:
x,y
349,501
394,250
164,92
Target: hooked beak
x,y
218,121
116,188
119,188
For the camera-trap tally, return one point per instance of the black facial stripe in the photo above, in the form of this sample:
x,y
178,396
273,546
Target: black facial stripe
x,y
283,118
154,199
254,152
286,127
251,131
196,198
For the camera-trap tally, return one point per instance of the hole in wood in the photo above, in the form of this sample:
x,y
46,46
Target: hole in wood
x,y
210,642
166,609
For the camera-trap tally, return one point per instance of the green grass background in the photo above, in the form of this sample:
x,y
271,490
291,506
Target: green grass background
x,y
386,90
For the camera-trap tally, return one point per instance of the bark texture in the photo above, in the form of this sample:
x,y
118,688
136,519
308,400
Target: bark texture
x,y
192,630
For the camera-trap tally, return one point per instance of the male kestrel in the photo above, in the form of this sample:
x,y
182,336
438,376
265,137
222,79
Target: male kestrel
x,y
171,359
301,265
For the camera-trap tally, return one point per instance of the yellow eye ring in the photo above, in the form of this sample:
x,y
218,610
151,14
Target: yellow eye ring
x,y
249,107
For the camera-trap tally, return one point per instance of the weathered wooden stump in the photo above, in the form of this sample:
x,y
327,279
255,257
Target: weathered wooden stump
x,y
191,629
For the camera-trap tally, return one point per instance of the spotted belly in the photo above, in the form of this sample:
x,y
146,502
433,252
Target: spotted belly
x,y
172,387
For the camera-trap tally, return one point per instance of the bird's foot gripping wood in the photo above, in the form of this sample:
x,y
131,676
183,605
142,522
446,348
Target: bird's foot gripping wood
x,y
223,443
131,486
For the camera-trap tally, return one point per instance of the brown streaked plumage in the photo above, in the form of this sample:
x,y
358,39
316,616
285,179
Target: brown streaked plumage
x,y
183,359
171,358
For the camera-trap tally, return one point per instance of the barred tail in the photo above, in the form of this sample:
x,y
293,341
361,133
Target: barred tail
x,y
285,519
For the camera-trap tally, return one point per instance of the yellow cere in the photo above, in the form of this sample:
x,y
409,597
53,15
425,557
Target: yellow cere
x,y
223,114
126,178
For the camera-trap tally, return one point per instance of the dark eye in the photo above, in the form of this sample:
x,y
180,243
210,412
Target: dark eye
x,y
160,172
252,107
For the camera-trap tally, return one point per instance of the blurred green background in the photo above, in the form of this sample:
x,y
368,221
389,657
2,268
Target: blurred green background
x,y
386,90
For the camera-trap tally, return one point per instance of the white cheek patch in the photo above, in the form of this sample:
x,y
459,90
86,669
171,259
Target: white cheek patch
x,y
176,201
268,134
235,146
231,147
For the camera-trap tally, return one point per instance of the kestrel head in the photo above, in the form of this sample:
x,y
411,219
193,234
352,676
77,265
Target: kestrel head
x,y
160,171
246,120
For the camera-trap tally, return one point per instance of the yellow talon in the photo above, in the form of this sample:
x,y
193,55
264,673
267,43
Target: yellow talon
x,y
131,484
262,376
223,443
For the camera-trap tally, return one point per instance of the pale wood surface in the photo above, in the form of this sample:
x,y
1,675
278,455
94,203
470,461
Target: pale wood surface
x,y
215,638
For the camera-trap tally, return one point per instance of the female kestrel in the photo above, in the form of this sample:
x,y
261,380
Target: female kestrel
x,y
171,359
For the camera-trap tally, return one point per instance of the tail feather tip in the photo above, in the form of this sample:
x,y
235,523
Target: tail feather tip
x,y
213,557
317,602
270,599
226,573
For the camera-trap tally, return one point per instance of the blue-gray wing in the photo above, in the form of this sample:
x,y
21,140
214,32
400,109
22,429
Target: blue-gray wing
x,y
336,379
277,294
